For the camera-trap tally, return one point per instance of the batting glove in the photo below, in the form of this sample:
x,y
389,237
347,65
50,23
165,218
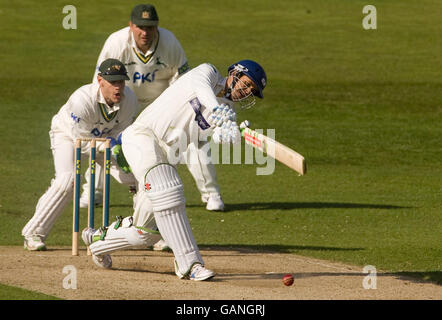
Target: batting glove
x,y
221,114
228,132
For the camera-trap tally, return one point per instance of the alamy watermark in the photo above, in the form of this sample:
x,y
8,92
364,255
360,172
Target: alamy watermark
x,y
369,281
198,149
70,20
70,281
370,20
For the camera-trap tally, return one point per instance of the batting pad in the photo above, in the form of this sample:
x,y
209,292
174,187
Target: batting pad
x,y
124,236
50,205
176,231
164,187
165,191
143,212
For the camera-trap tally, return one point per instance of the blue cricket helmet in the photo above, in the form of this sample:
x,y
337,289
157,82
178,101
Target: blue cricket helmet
x,y
254,71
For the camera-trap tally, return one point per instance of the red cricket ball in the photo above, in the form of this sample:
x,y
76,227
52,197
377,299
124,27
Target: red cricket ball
x,y
288,280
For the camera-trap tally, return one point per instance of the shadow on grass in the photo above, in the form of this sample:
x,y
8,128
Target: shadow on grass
x,y
269,248
120,205
288,206
306,205
141,270
424,276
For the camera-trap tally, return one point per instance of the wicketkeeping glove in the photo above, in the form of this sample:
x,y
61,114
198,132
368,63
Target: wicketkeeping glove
x,y
117,154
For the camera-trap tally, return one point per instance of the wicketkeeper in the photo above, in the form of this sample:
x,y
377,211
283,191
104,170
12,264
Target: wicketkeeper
x,y
198,102
97,110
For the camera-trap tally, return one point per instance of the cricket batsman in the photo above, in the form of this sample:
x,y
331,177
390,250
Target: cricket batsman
x,y
200,101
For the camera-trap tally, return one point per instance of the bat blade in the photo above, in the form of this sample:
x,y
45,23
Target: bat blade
x,y
276,150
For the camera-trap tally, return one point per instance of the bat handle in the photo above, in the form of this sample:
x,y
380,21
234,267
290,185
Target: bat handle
x,y
245,124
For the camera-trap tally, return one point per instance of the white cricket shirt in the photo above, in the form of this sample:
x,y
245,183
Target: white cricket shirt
x,y
151,73
174,113
86,114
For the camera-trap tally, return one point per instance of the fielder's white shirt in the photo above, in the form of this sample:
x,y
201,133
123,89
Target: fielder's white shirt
x,y
151,73
172,115
87,115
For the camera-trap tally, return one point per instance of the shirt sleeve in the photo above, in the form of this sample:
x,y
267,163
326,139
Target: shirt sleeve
x,y
82,118
204,82
181,65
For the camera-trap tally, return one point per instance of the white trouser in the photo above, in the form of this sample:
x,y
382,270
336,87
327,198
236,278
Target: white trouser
x,y
59,194
201,167
160,194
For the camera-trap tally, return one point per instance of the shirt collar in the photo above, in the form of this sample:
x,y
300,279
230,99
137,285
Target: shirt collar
x,y
101,100
152,47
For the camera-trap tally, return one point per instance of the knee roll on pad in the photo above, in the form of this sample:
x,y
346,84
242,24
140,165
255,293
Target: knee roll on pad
x,y
123,234
139,236
146,237
143,212
136,236
164,187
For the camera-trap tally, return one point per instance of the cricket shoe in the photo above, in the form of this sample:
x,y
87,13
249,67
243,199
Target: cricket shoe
x,y
102,261
200,273
197,273
84,199
214,202
34,243
161,246
89,236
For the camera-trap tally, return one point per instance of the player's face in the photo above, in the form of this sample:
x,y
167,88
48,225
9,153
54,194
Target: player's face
x,y
244,87
112,91
143,35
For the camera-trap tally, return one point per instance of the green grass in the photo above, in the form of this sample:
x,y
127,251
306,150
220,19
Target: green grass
x,y
363,107
14,293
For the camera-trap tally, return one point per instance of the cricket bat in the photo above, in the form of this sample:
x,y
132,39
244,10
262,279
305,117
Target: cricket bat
x,y
276,150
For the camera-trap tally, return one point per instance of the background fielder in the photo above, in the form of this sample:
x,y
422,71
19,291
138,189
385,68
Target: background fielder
x,y
95,110
154,59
